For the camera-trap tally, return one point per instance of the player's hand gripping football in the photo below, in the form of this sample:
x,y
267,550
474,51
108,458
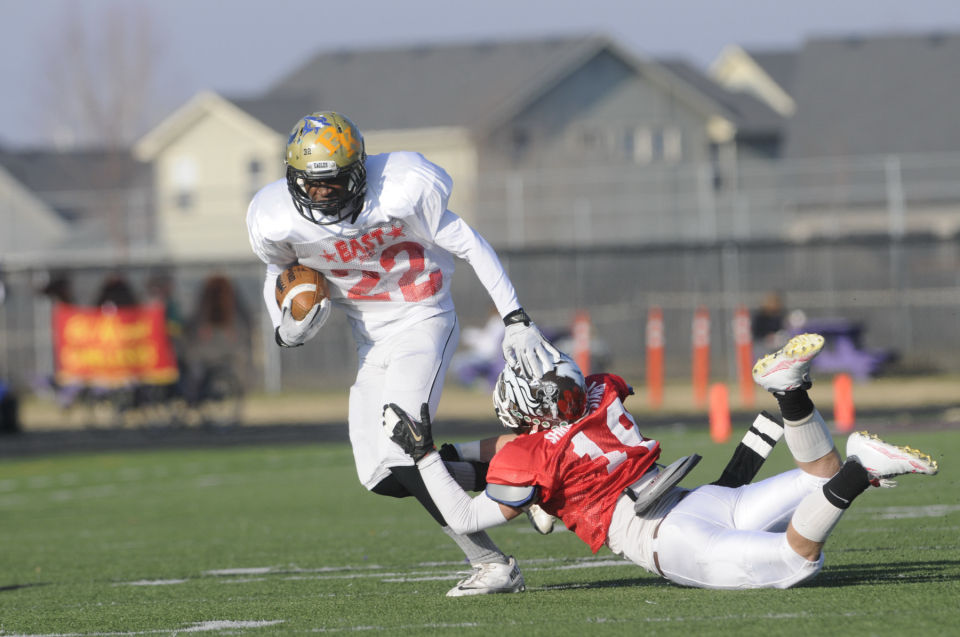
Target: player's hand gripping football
x,y
415,438
293,333
525,347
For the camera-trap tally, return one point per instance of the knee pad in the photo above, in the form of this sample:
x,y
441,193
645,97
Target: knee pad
x,y
391,487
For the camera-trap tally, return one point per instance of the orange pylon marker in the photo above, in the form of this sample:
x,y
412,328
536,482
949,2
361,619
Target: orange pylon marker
x,y
655,344
720,427
701,355
844,414
743,340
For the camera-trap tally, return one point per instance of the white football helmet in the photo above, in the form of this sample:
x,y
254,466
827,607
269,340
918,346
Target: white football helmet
x,y
559,397
326,146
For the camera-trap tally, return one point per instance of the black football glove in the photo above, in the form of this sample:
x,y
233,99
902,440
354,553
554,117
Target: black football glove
x,y
415,438
449,453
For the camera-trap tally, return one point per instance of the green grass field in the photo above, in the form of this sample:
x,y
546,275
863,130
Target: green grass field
x,y
283,540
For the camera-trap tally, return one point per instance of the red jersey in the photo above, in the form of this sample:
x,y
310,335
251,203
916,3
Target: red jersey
x,y
583,468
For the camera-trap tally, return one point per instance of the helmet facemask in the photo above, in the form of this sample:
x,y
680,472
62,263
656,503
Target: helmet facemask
x,y
327,147
557,398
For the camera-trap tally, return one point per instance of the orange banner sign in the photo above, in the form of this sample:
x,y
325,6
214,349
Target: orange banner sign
x,y
108,348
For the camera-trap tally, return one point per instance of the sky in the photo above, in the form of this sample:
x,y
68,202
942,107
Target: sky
x,y
239,47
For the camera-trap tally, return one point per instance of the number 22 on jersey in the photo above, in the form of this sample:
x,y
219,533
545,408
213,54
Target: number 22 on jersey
x,y
372,286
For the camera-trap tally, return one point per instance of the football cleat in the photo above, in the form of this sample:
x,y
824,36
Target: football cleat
x,y
883,460
540,520
788,367
490,578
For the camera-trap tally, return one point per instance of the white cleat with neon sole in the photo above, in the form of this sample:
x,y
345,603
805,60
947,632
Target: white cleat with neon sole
x,y
789,367
884,460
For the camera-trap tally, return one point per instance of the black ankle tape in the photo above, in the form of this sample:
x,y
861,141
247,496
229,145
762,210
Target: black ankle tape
x,y
850,481
794,404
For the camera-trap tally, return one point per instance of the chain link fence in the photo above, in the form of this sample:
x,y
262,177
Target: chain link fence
x,y
904,292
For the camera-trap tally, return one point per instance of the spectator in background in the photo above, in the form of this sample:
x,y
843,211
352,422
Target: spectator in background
x,y
9,419
115,292
767,324
160,290
59,288
219,329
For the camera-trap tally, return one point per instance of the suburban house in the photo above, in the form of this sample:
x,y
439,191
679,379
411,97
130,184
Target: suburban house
x,y
88,205
29,225
569,141
531,131
870,143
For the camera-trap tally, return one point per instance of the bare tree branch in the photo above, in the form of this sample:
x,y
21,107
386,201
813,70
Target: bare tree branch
x,y
96,77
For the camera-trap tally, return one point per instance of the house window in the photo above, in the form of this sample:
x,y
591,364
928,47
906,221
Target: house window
x,y
254,175
672,145
656,144
593,140
184,179
255,170
184,201
520,141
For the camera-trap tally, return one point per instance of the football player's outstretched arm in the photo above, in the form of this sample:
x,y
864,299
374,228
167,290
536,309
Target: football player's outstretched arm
x,y
524,345
462,513
475,450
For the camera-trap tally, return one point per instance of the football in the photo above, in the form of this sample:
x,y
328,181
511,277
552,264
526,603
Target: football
x,y
300,288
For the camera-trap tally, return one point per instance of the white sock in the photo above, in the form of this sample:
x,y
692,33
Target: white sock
x,y
808,439
816,517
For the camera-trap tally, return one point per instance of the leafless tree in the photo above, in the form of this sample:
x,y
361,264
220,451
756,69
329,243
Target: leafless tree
x,y
97,75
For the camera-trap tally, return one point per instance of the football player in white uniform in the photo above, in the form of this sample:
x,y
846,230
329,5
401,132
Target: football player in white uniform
x,y
581,457
379,230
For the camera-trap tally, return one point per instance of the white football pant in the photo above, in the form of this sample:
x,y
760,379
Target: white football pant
x,y
718,537
407,369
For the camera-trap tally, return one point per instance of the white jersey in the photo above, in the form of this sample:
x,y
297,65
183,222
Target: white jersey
x,y
393,266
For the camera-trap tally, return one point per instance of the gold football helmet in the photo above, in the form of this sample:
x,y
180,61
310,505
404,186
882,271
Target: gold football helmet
x,y
327,147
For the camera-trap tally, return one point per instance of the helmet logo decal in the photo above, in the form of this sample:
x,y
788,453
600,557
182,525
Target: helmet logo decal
x,y
328,134
333,140
313,124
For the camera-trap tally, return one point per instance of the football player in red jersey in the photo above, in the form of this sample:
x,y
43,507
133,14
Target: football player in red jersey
x,y
579,455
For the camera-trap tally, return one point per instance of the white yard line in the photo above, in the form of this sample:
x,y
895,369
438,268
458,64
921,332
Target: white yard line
x,y
198,627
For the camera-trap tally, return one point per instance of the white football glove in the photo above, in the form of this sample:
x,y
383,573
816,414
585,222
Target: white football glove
x,y
540,520
525,347
293,333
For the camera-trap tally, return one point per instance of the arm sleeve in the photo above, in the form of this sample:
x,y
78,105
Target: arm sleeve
x,y
276,255
462,513
456,237
269,293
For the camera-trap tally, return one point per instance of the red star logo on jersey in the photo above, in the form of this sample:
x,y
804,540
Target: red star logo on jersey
x,y
396,231
329,256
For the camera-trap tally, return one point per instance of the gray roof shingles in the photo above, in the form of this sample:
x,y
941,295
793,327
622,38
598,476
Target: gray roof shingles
x,y
461,85
883,94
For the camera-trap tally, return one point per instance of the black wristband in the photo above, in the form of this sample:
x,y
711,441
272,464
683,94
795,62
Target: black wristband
x,y
517,316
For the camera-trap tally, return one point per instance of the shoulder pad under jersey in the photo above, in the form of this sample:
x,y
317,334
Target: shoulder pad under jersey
x,y
511,496
271,212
